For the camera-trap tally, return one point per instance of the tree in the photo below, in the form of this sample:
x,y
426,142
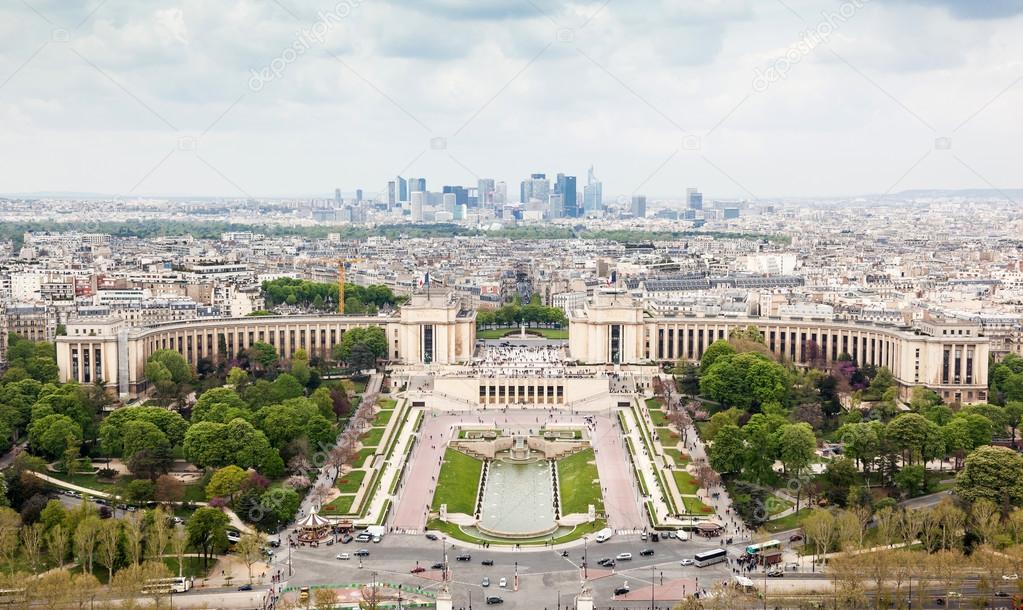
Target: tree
x,y
168,489
219,405
32,541
728,452
237,377
373,342
226,482
797,447
714,351
158,534
10,524
908,433
207,530
820,530
1013,417
250,550
264,354
53,434
134,535
86,535
340,404
179,544
56,544
992,473
108,545
912,480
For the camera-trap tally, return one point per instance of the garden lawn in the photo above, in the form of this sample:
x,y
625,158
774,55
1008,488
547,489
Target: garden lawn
x,y
372,437
680,458
192,566
387,404
84,480
350,482
667,437
458,482
658,417
383,417
788,522
686,482
361,455
654,403
341,505
694,506
498,333
578,483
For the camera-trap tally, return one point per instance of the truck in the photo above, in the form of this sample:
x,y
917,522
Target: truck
x,y
604,535
376,532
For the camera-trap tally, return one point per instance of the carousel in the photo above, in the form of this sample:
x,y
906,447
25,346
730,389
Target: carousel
x,y
313,528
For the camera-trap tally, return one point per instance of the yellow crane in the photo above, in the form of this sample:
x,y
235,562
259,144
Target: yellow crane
x,y
343,264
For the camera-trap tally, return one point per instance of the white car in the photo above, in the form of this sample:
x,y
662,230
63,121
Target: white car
x,y
1010,576
343,556
624,557
502,583
686,562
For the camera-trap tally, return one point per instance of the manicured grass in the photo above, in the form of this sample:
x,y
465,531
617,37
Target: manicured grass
x,y
694,506
350,482
681,459
453,531
776,505
654,403
354,387
498,333
371,438
194,492
667,437
790,521
341,505
578,483
84,480
361,455
658,417
192,566
383,417
686,482
387,404
458,482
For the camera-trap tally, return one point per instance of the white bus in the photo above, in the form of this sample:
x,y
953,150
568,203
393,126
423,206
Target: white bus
x,y
167,585
709,558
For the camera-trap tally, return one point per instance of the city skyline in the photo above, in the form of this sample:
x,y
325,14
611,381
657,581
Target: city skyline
x,y
291,99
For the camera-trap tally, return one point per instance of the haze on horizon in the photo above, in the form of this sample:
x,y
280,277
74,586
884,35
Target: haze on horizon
x,y
291,97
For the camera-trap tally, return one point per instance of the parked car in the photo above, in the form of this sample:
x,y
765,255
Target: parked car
x,y
1010,576
503,582
796,538
485,582
646,552
775,573
245,587
363,537
346,538
493,599
643,536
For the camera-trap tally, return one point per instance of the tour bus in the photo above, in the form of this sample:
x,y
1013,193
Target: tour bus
x,y
756,549
709,558
604,535
167,585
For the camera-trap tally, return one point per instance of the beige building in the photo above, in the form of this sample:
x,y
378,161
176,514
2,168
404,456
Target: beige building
x,y
949,358
426,330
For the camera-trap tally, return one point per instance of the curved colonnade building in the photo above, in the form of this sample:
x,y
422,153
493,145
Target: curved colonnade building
x,y
951,359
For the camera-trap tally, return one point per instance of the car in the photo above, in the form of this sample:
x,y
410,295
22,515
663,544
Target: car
x,y
796,538
465,557
362,553
343,556
622,590
363,537
330,542
274,543
485,582
346,538
646,552
430,536
487,562
940,601
418,570
1001,594
1010,576
604,561
493,599
624,557
245,587
376,539
232,536
686,562
954,594
437,566
503,582
643,536
669,534
775,573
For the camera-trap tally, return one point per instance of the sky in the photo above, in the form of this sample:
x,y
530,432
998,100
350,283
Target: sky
x,y
752,99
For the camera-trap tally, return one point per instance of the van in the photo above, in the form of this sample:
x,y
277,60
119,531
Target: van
x,y
682,534
604,535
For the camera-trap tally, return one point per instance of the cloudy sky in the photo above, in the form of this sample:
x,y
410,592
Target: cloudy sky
x,y
744,98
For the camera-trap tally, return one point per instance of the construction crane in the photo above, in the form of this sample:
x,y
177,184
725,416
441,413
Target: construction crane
x,y
342,265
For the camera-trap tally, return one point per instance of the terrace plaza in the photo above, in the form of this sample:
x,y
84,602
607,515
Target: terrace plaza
x,y
612,347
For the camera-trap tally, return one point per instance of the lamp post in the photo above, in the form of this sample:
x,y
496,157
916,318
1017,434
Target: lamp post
x,y
586,563
652,568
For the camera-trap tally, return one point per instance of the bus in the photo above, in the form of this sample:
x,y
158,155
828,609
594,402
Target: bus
x,y
756,549
174,584
709,558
